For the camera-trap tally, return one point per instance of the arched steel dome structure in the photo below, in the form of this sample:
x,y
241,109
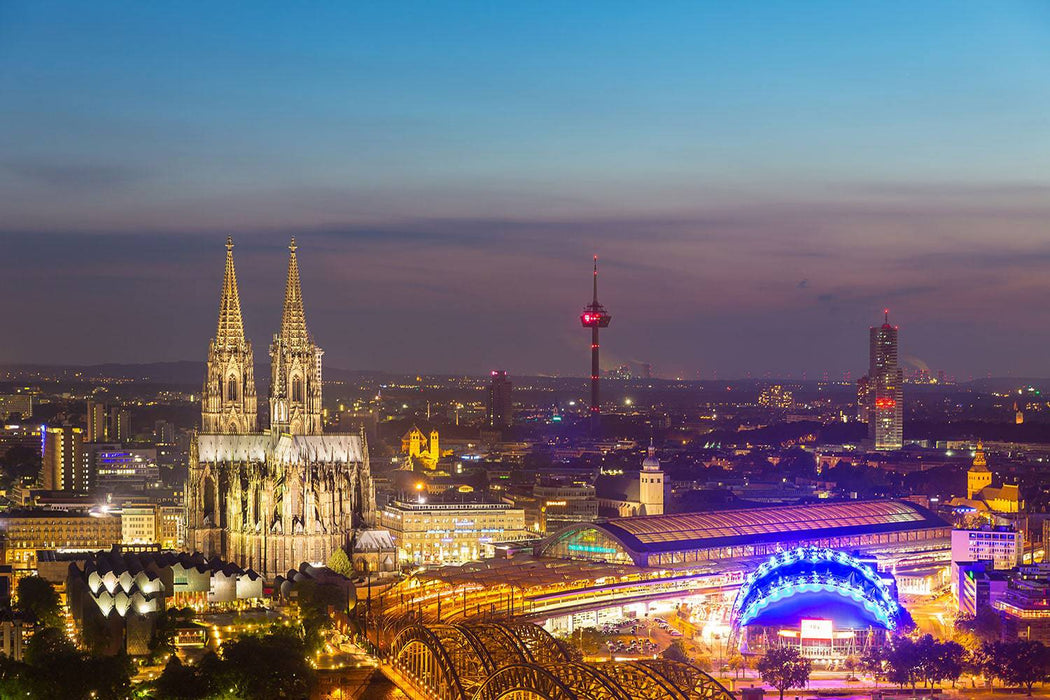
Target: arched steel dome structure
x,y
806,571
520,661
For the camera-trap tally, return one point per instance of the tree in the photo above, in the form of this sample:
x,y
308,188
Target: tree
x,y
737,663
168,623
951,661
902,662
1025,663
54,669
21,462
270,667
985,626
676,652
784,668
340,563
314,602
38,600
874,662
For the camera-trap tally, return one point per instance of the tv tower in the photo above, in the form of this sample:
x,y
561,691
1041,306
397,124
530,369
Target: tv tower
x,y
594,317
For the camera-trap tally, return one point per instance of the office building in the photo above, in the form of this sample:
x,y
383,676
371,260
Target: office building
x,y
999,545
885,394
500,410
1025,605
152,524
446,532
119,425
123,470
65,465
97,419
25,532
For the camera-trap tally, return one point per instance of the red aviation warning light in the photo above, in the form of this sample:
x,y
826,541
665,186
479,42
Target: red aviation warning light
x,y
594,314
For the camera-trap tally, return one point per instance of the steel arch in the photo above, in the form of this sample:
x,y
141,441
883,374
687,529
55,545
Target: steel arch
x,y
541,644
504,647
411,650
468,655
688,679
521,681
587,681
641,682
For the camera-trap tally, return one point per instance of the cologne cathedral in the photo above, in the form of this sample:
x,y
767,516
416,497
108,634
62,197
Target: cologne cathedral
x,y
271,499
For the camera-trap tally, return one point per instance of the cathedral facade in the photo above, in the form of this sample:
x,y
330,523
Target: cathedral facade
x,y
270,500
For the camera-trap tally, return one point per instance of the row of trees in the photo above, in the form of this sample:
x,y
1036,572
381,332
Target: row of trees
x,y
907,661
270,666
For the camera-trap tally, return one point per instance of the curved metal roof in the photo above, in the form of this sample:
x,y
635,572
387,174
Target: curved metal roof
x,y
686,531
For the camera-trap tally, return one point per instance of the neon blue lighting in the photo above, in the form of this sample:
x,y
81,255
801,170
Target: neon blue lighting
x,y
773,581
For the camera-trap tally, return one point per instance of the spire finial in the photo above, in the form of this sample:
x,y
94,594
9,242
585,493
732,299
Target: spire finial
x,y
230,330
293,320
886,316
595,280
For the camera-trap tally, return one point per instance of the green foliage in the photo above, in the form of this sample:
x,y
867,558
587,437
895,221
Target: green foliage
x,y
272,666
269,667
54,669
676,652
340,563
925,659
20,462
784,668
168,623
38,600
315,600
985,626
1020,662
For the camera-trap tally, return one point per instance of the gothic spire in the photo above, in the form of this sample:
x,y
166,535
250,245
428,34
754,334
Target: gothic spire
x,y
293,320
231,326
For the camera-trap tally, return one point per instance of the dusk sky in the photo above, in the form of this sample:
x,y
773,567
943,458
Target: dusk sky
x,y
759,180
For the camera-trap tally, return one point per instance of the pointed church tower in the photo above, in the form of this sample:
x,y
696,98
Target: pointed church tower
x,y
979,474
228,400
295,363
651,484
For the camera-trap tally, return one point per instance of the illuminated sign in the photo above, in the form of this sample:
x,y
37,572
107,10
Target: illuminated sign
x,y
591,548
816,629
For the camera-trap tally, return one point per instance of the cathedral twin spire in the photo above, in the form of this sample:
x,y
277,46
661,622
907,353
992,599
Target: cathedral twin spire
x,y
228,400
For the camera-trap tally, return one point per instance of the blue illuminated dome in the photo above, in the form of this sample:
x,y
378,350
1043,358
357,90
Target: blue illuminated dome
x,y
815,582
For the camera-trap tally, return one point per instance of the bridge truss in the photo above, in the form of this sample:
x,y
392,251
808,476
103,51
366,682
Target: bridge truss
x,y
521,661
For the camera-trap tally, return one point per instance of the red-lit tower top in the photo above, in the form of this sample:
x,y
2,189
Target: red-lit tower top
x,y
595,316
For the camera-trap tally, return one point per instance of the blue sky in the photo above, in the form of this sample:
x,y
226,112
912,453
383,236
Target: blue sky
x,y
760,178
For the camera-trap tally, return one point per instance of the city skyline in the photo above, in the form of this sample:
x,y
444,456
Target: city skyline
x,y
754,209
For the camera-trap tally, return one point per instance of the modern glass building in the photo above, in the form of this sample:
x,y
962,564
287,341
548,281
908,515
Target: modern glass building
x,y
897,527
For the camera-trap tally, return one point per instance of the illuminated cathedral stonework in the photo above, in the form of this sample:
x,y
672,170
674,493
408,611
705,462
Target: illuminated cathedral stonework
x,y
274,499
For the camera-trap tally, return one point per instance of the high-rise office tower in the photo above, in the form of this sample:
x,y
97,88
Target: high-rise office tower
x,y
119,425
96,422
886,380
64,466
499,407
594,317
